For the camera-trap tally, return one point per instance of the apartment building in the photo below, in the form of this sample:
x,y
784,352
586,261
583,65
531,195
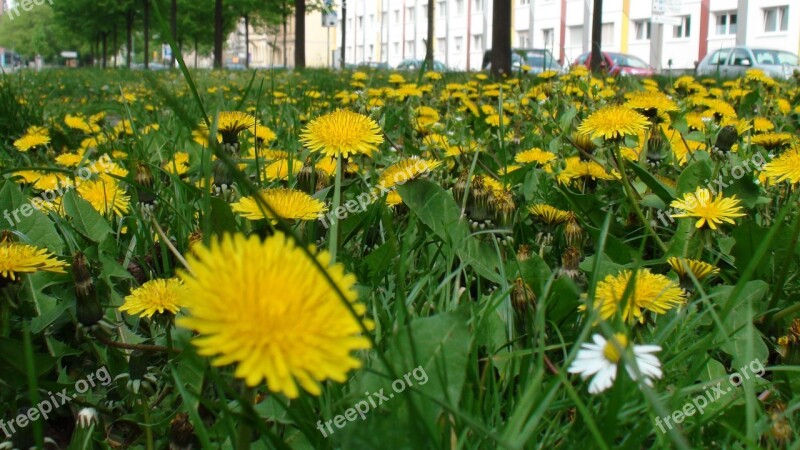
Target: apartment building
x,y
391,31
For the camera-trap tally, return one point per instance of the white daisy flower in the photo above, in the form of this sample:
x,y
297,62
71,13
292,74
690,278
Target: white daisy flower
x,y
601,358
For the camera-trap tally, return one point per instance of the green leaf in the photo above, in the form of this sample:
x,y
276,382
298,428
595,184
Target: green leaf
x,y
222,218
739,322
664,192
85,218
35,226
693,176
436,208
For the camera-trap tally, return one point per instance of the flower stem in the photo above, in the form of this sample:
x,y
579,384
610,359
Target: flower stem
x,y
337,200
245,433
629,191
148,432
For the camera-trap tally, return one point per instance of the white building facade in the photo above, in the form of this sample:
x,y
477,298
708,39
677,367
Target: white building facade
x,y
390,31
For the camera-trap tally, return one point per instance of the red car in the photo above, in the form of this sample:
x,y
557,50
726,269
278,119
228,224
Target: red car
x,y
618,64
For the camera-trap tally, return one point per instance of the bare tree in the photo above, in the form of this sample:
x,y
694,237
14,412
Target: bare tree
x,y
501,38
218,26
299,34
429,43
597,34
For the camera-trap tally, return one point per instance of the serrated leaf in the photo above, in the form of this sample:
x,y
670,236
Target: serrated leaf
x,y
85,218
35,226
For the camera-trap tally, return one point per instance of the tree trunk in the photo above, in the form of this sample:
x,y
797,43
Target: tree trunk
x,y
597,33
285,61
300,34
196,50
247,40
128,37
173,22
501,38
105,50
114,46
146,34
218,35
344,31
429,44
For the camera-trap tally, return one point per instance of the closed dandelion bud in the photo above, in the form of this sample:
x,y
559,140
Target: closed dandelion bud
x,y
87,417
195,238
87,308
480,198
654,147
573,233
522,296
305,178
136,271
524,252
181,432
571,258
144,178
460,188
781,429
583,142
725,139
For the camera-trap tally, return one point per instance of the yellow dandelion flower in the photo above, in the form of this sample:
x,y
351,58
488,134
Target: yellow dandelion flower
x,y
17,258
405,170
78,122
279,170
785,167
393,199
30,141
290,204
550,214
650,292
179,164
155,297
230,124
105,195
762,124
684,266
772,141
613,122
267,308
535,155
710,210
342,132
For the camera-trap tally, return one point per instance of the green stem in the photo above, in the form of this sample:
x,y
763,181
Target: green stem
x,y
148,432
245,433
337,201
781,281
629,192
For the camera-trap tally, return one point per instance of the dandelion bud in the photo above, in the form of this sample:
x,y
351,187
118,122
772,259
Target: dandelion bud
x,y
88,307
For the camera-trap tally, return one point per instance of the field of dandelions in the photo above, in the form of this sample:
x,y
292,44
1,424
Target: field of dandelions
x,y
363,260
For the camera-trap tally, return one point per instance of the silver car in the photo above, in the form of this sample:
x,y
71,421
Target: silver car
x,y
734,62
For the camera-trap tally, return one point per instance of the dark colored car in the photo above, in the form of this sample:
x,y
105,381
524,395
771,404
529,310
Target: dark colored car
x,y
538,59
618,64
416,64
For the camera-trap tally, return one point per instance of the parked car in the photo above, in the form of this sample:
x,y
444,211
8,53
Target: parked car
x,y
373,65
734,62
617,64
538,59
415,64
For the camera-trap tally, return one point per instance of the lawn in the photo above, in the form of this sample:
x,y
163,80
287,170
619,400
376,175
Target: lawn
x,y
316,259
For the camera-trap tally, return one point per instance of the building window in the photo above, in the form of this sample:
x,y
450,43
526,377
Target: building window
x,y
409,47
459,42
547,36
524,38
726,23
576,36
383,18
396,48
642,29
477,42
442,7
524,2
776,19
441,45
683,29
410,14
478,5
360,21
384,50
396,16
459,7
607,34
